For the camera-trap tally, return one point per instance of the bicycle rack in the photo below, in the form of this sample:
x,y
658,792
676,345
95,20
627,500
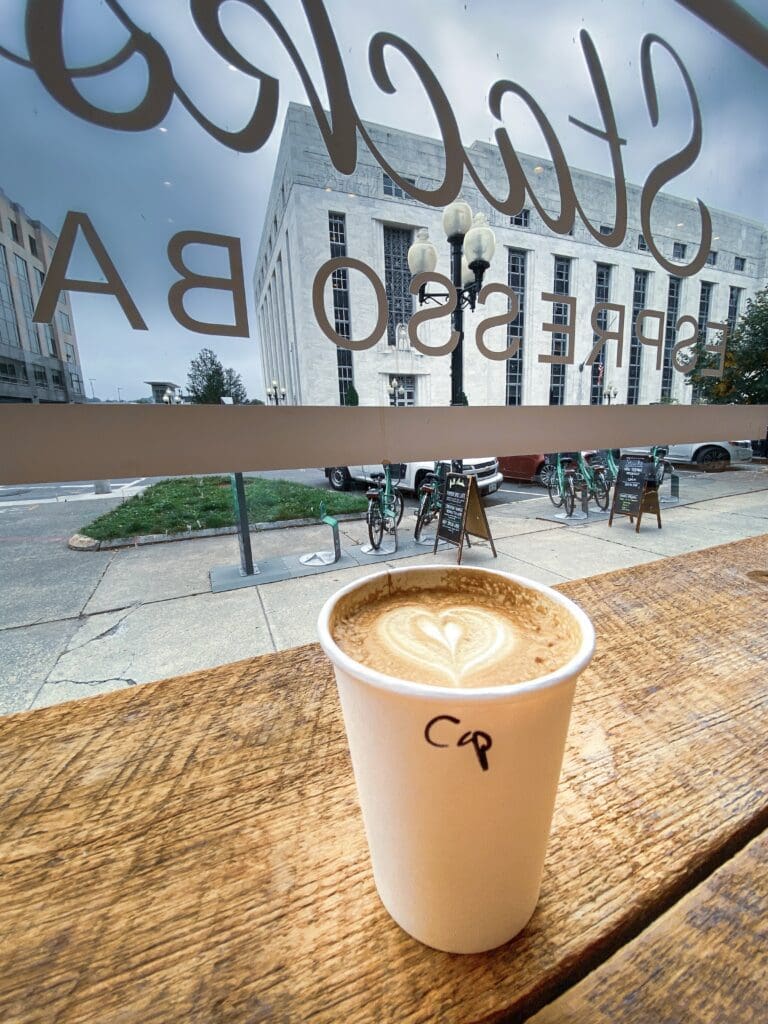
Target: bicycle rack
x,y
674,492
369,549
325,557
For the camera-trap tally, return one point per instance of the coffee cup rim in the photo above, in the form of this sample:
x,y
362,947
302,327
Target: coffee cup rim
x,y
394,684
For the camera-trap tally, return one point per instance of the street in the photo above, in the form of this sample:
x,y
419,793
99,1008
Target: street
x,y
80,490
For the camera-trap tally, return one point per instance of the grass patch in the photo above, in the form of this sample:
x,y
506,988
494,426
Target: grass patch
x,y
203,503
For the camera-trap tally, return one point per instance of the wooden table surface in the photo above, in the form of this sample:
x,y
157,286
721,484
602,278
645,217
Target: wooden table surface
x,y
191,850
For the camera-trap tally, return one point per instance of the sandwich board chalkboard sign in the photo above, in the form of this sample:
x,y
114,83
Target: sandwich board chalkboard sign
x,y
462,514
636,490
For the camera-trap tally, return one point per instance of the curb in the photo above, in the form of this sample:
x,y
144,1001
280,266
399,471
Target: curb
x,y
79,542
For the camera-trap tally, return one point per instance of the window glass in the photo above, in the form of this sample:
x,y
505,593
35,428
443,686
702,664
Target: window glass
x,y
516,279
589,185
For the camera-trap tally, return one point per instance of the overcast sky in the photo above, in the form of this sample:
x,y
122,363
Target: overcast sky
x,y
139,189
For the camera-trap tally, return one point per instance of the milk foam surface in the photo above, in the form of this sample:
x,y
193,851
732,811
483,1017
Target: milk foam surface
x,y
447,636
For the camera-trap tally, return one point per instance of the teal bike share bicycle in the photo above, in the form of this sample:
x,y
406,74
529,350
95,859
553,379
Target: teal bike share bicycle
x,y
385,504
573,474
430,497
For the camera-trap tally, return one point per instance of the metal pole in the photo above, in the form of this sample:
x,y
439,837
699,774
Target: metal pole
x,y
243,531
457,356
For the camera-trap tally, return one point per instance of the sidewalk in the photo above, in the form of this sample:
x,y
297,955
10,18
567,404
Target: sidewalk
x,y
117,618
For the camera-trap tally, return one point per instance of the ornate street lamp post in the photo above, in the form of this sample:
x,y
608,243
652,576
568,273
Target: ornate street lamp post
x,y
276,393
172,397
611,393
472,245
396,391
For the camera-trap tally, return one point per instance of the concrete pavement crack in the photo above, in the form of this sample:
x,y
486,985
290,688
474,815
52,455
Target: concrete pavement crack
x,y
98,582
266,618
110,631
94,682
71,650
85,682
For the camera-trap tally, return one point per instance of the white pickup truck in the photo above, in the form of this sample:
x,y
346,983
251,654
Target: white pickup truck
x,y
486,470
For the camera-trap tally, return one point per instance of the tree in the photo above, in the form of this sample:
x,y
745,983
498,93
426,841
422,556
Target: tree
x,y
208,382
351,397
745,374
234,387
205,380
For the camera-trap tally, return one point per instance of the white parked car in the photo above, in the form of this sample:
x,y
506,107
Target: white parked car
x,y
705,453
486,470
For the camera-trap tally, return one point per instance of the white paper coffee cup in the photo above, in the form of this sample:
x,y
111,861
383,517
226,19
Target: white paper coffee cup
x,y
457,786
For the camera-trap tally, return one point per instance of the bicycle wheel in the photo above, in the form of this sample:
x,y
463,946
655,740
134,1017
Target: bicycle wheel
x,y
569,498
397,499
375,524
555,494
424,513
602,490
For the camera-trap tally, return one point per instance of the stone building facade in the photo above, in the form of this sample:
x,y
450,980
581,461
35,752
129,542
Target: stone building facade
x,y
314,213
38,362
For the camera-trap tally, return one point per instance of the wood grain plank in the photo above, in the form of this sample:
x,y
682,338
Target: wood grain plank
x,y
191,850
705,959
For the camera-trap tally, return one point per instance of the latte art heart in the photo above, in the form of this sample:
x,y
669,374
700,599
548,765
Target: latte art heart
x,y
454,642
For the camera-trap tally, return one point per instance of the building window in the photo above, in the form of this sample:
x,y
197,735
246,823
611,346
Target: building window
x,y
345,374
705,304
14,230
397,279
606,229
739,263
391,188
678,251
65,322
670,332
13,373
69,351
32,245
516,267
639,296
562,286
642,245
77,383
58,380
48,328
521,219
41,377
712,258
9,329
28,304
401,390
602,294
337,235
734,303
